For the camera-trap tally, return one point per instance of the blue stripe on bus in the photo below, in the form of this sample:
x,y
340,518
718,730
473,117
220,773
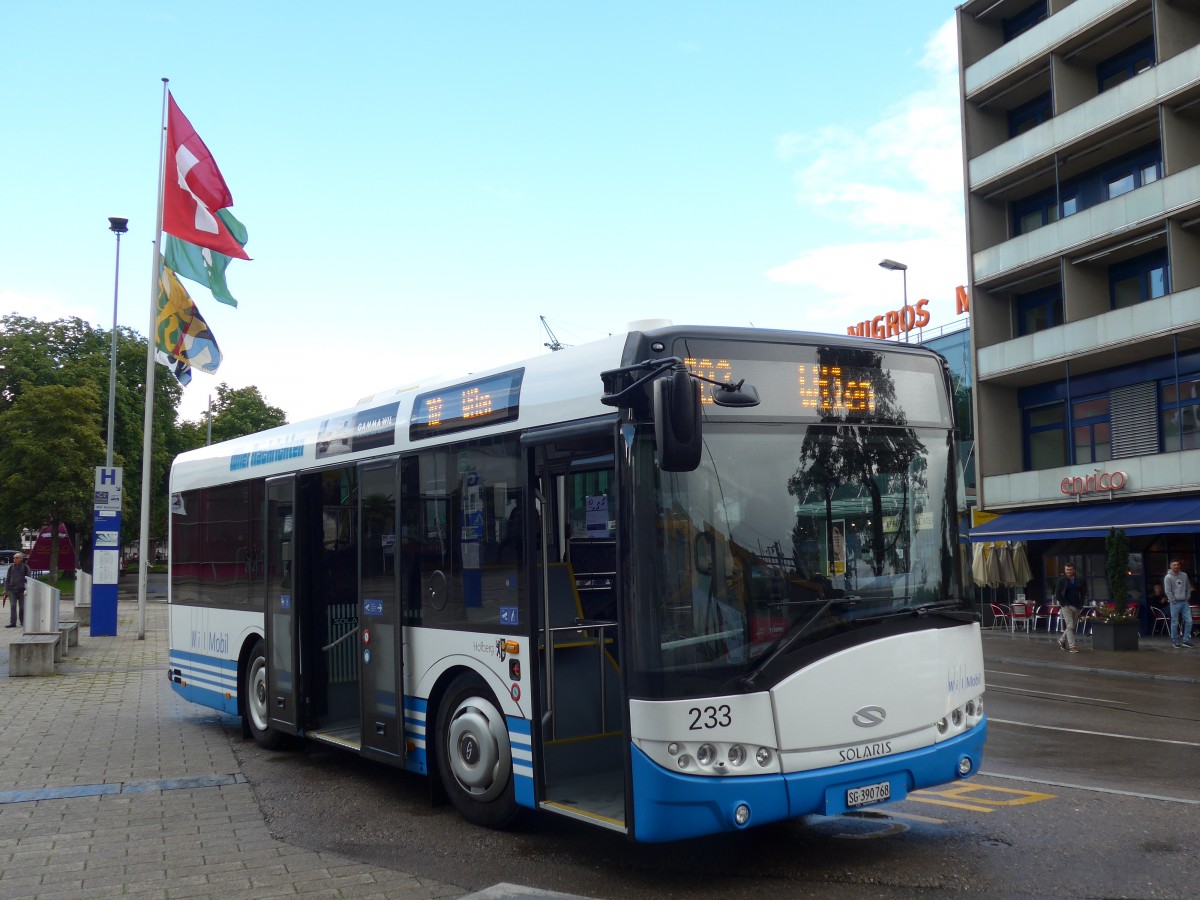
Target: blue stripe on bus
x,y
204,696
189,656
205,671
521,744
669,806
415,758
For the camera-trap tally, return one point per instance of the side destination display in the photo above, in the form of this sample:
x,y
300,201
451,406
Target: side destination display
x,y
471,404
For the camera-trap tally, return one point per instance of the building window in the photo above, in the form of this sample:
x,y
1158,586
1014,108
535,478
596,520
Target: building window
x,y
1046,434
1180,407
1070,205
1029,115
1132,174
1124,65
1139,279
1091,431
1039,310
1122,184
1024,20
1034,212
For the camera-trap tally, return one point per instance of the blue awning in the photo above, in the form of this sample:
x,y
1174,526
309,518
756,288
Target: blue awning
x,y
1174,515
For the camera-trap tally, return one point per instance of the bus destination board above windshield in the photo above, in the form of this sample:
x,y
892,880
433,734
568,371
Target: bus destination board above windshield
x,y
472,404
821,383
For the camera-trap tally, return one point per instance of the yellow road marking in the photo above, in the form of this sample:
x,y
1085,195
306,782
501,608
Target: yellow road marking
x,y
979,794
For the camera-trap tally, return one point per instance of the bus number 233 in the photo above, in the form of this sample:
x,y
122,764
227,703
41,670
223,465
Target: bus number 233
x,y
710,717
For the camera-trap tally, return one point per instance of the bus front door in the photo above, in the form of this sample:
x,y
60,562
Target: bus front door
x,y
283,694
581,727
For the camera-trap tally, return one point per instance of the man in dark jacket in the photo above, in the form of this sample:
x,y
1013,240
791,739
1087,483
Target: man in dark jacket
x,y
14,584
1070,594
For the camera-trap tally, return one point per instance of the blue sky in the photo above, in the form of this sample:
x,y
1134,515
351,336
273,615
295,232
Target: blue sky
x,y
421,181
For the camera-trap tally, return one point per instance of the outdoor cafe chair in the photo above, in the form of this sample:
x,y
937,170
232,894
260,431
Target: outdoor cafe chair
x,y
1049,612
1160,621
1021,614
1001,615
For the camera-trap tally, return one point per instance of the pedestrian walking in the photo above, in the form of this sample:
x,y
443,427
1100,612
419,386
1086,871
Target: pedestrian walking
x,y
1070,593
1179,592
14,586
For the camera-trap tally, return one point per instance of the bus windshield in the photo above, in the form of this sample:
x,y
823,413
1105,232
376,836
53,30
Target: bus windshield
x,y
787,533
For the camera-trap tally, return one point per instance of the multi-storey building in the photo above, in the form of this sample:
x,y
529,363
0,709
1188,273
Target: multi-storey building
x,y
1081,144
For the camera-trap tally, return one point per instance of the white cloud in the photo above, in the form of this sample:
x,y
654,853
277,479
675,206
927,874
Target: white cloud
x,y
899,183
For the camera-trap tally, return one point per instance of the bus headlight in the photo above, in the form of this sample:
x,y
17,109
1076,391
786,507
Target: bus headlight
x,y
672,749
684,761
741,815
706,754
737,755
957,717
964,766
763,757
942,725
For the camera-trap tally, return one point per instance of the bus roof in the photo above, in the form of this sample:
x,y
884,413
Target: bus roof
x,y
556,387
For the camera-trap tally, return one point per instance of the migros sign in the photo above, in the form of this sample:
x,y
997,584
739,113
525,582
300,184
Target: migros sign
x,y
895,322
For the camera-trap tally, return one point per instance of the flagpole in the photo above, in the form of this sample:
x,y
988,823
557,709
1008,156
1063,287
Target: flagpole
x,y
148,420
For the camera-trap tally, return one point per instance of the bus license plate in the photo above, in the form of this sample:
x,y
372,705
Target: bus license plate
x,y
868,794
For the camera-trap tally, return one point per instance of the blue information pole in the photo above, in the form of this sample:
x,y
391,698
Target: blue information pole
x,y
106,550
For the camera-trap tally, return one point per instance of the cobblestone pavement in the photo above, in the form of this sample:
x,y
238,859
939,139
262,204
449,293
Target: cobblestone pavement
x,y
112,785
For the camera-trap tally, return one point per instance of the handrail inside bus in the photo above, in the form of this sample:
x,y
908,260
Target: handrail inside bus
x,y
348,634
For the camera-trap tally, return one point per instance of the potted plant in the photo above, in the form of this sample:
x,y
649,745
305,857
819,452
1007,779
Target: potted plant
x,y
1115,627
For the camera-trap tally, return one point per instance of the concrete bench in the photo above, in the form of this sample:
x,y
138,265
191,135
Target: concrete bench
x,y
83,613
33,654
70,634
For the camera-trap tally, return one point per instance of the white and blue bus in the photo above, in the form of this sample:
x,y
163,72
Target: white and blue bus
x,y
675,582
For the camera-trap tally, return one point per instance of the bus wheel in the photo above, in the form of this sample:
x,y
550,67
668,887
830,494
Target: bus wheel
x,y
254,690
474,758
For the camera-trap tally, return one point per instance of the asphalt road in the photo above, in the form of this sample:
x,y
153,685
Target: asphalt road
x,y
1090,787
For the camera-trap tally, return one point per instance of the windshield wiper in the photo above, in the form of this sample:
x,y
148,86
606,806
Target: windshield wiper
x,y
788,639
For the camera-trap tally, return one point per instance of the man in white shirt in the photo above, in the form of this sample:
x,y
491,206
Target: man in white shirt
x,y
1179,591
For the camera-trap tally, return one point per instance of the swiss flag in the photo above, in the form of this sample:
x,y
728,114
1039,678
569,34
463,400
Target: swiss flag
x,y
194,190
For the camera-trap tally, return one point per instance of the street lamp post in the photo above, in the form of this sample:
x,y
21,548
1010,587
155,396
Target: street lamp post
x,y
893,266
117,226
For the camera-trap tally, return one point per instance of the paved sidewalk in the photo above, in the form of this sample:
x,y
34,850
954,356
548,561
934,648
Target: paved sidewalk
x,y
111,785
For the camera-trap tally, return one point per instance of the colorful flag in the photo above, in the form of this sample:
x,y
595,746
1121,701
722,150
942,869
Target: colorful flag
x,y
203,265
181,370
193,189
181,331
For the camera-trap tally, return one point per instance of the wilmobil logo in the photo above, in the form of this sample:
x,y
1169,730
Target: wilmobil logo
x,y
958,681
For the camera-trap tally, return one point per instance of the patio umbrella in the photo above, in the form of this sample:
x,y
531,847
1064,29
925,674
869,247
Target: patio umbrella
x,y
1021,568
991,567
1004,562
978,564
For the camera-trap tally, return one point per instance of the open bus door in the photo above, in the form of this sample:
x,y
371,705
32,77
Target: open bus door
x,y
282,682
379,642
581,748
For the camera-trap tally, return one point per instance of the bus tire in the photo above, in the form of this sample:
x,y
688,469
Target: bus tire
x,y
473,754
257,709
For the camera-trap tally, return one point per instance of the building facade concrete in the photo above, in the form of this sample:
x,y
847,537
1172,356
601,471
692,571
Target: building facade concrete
x,y
1081,145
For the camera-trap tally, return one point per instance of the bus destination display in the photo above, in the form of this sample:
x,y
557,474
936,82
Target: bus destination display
x,y
826,389
472,404
822,383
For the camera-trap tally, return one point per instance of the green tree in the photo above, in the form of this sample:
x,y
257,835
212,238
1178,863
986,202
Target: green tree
x,y
241,411
47,460
71,353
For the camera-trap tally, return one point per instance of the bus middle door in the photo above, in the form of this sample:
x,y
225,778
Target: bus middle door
x,y
380,641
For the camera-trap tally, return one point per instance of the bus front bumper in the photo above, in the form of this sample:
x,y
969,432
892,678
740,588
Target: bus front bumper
x,y
670,806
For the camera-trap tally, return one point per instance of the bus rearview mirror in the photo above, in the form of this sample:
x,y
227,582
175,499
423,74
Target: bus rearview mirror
x,y
677,422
